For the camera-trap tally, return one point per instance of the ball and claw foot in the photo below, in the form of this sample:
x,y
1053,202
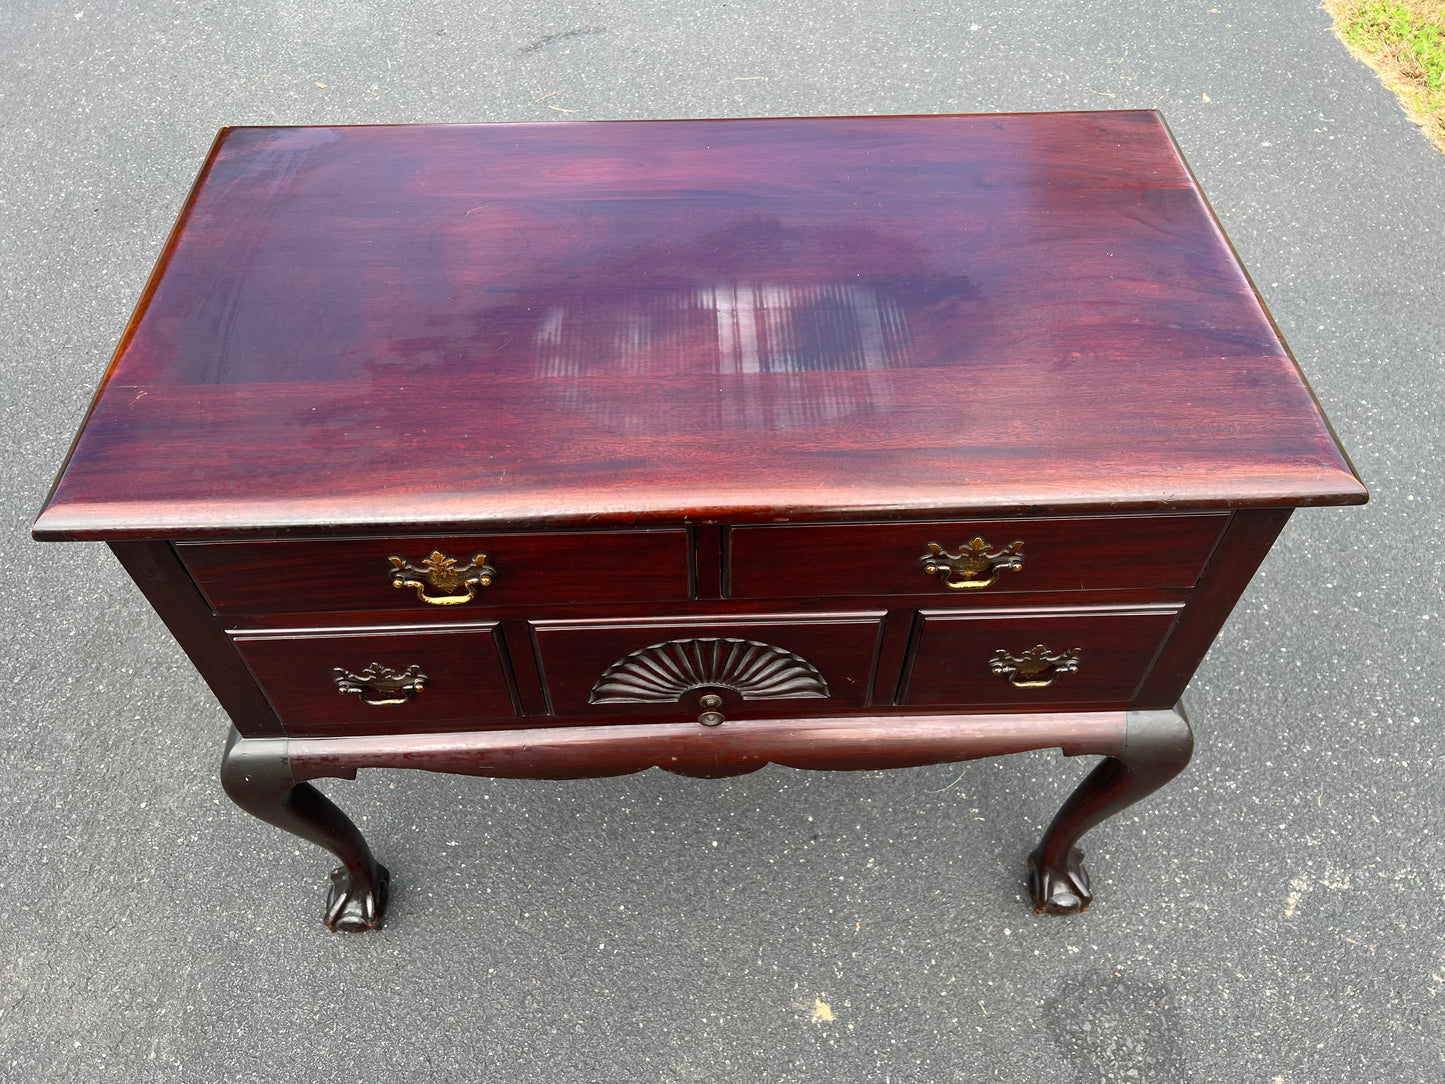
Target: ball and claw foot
x,y
356,909
1060,891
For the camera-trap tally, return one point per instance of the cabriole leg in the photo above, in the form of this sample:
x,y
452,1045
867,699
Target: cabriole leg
x,y
256,773
1157,746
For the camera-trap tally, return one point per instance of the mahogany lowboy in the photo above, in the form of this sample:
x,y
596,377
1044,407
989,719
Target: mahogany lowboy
x,y
570,450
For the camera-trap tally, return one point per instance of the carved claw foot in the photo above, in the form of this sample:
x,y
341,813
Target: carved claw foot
x,y
356,908
1156,748
1059,890
256,773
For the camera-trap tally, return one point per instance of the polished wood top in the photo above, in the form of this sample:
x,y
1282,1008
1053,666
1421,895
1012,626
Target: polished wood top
x,y
686,321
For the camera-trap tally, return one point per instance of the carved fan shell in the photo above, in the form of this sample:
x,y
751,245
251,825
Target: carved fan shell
x,y
665,672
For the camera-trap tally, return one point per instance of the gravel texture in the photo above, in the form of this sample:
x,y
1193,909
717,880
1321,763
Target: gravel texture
x,y
1275,915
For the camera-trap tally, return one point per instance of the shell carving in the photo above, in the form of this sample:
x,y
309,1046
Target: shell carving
x,y
665,672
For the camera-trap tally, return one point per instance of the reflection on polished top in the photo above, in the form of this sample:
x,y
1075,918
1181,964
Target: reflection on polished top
x,y
693,320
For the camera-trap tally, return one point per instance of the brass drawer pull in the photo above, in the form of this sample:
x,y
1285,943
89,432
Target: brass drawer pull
x,y
710,715
975,566
444,574
379,685
1036,668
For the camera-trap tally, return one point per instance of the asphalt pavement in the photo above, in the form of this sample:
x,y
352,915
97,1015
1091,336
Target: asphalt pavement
x,y
1275,915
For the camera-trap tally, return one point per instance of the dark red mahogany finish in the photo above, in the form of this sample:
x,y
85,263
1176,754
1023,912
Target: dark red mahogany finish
x,y
699,394
680,319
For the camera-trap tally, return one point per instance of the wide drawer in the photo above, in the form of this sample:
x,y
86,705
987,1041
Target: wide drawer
x,y
421,573
387,681
1085,554
1021,661
778,666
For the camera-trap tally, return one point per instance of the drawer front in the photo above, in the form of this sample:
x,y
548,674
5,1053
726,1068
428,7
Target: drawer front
x,y
389,681
1099,553
759,668
1096,658
485,571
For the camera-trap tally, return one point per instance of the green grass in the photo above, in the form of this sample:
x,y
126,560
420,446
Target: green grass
x,y
1403,40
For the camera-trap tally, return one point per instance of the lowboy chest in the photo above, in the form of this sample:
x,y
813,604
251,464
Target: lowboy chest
x,y
571,450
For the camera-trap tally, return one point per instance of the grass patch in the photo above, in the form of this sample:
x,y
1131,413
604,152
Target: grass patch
x,y
1404,41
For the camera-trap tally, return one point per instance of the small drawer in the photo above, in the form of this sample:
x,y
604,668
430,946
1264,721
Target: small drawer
x,y
1100,553
391,681
423,573
1023,662
769,668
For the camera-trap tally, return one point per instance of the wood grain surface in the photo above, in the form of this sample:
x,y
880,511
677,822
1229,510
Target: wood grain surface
x,y
1121,553
951,660
692,321
851,744
467,682
356,574
841,647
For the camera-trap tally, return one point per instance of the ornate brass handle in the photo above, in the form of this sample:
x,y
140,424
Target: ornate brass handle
x,y
1036,668
974,566
444,574
379,685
